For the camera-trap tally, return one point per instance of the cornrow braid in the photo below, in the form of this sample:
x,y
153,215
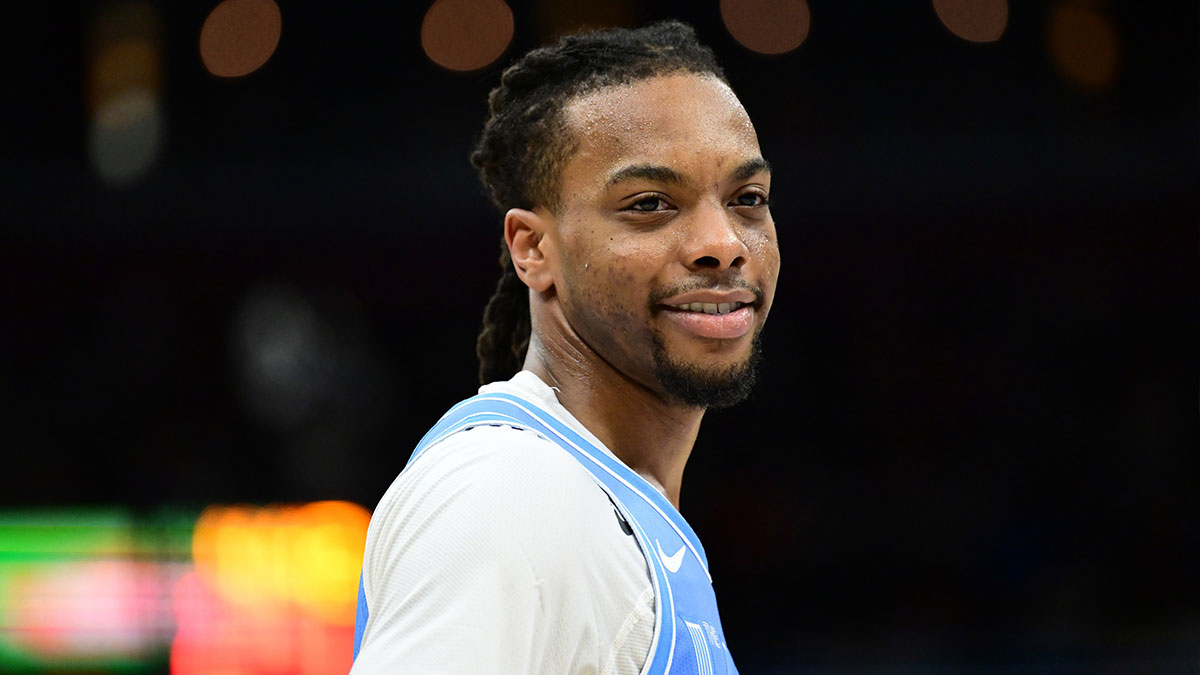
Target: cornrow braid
x,y
525,144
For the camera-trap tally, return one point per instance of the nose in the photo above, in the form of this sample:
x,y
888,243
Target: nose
x,y
713,242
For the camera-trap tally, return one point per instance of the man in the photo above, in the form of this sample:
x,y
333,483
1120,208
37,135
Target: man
x,y
535,528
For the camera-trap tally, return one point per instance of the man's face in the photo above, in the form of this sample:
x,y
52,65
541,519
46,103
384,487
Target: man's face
x,y
667,247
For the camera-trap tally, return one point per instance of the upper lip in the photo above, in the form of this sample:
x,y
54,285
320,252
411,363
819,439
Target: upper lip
x,y
716,297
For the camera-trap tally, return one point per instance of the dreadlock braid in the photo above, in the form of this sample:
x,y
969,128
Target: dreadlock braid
x,y
505,337
525,144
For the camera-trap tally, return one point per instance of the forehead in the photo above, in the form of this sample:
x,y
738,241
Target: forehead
x,y
692,123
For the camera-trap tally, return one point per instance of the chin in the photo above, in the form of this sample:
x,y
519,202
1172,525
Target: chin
x,y
706,384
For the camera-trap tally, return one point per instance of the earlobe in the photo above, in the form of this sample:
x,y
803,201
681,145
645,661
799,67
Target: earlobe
x,y
528,244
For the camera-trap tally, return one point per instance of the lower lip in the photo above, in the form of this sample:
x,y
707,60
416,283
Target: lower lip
x,y
725,326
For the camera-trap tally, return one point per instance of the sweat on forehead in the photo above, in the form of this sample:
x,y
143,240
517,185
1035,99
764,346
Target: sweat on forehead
x,y
689,126
525,140
637,106
621,111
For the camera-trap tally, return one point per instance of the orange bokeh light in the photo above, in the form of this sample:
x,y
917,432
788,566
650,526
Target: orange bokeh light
x,y
974,20
239,36
274,590
767,26
130,64
214,637
1084,45
465,35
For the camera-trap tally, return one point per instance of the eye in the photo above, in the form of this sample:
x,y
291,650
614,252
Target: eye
x,y
752,198
648,205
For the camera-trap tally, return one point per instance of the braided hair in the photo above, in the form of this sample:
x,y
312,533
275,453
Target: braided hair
x,y
526,142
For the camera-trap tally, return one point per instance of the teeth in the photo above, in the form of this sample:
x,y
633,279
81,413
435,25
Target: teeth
x,y
711,307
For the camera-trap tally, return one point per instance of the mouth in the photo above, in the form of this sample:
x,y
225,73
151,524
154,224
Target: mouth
x,y
710,307
716,320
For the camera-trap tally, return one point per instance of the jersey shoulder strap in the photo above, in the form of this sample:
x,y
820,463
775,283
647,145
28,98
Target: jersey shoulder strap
x,y
687,633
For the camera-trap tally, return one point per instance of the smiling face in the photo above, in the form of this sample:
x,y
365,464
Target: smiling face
x,y
666,250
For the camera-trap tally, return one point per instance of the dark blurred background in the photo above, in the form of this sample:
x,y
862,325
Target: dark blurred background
x,y
974,443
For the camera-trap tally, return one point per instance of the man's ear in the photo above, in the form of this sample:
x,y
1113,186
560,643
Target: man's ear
x,y
531,247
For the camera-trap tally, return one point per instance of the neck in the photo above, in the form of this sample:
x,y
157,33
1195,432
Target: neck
x,y
651,435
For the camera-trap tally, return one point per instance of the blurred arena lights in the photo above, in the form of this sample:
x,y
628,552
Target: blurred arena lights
x,y
281,353
124,84
466,35
1084,45
125,136
273,592
242,590
239,36
85,589
767,26
974,20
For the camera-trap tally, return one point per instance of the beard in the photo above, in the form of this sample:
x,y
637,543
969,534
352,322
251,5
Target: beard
x,y
698,387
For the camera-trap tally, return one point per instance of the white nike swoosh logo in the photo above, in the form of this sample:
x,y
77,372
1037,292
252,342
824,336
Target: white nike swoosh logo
x,y
671,562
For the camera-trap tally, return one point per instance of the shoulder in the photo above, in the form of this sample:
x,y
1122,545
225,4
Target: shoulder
x,y
475,466
504,490
496,538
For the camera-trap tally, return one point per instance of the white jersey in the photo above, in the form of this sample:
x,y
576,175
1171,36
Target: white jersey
x,y
496,552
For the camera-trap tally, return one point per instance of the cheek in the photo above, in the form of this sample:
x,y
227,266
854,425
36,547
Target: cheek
x,y
605,312
606,298
764,247
605,269
605,285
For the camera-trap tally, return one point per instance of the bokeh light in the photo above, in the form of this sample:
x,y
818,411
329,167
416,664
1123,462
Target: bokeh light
x,y
974,20
239,36
122,65
90,609
767,26
1084,46
309,555
127,126
274,590
282,355
126,135
241,590
466,35
86,589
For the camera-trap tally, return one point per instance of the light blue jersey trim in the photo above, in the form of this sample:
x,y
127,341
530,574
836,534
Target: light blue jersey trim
x,y
478,406
361,614
517,413
627,490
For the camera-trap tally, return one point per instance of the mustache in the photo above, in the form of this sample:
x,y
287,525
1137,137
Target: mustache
x,y
700,284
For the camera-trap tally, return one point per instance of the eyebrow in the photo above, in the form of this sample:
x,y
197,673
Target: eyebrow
x,y
665,174
750,167
658,174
